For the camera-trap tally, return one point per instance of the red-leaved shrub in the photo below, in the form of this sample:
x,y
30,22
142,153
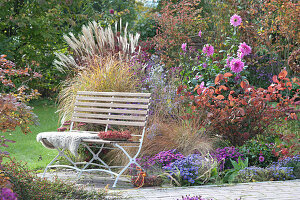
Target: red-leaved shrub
x,y
239,116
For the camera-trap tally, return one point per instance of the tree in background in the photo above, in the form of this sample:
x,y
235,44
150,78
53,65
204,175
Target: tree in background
x,y
31,31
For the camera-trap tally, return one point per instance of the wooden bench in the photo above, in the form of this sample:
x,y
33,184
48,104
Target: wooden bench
x,y
109,109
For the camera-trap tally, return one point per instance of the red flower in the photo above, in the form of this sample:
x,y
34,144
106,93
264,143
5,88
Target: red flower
x,y
284,151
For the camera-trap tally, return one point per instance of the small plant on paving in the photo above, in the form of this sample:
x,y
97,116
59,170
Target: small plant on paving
x,y
28,186
188,197
224,155
192,170
230,174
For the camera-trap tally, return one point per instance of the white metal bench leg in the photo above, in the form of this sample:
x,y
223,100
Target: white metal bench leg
x,y
132,160
95,157
60,154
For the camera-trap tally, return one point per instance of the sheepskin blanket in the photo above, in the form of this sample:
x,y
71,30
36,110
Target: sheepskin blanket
x,y
64,140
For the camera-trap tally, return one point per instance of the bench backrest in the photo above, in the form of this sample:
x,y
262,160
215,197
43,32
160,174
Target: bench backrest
x,y
112,108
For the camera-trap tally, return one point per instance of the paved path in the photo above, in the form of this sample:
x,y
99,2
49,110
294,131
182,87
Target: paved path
x,y
279,190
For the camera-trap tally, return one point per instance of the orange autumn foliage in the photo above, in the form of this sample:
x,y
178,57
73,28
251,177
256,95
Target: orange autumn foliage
x,y
240,116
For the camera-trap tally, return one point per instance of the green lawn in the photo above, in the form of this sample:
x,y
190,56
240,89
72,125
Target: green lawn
x,y
26,148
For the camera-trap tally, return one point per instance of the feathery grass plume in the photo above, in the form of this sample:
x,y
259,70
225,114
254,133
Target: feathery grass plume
x,y
94,42
109,74
162,135
185,136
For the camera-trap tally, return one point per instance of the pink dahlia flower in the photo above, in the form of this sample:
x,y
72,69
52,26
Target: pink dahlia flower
x,y
200,33
228,62
245,49
236,65
183,47
235,20
208,50
261,159
240,54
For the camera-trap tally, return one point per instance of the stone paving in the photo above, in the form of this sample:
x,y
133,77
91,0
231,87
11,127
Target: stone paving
x,y
283,190
279,190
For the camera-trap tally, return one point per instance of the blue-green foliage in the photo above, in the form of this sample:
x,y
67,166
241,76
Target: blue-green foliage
x,y
273,173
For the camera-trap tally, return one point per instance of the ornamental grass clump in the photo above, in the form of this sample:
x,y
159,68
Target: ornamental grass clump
x,y
109,74
184,135
192,170
96,42
98,61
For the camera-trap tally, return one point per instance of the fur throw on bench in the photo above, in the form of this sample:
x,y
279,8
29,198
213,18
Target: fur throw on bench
x,y
64,140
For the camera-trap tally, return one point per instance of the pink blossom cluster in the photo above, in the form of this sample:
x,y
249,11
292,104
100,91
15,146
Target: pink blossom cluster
x,y
208,50
235,20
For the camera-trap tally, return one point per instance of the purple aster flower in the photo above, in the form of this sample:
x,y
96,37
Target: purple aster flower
x,y
183,47
244,48
235,20
8,194
111,11
261,159
208,50
200,33
236,65
204,65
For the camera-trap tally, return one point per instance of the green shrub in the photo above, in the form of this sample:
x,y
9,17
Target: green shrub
x,y
28,186
259,153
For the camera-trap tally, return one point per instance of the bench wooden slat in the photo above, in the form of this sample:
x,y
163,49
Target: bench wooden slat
x,y
106,116
111,105
105,110
109,99
100,141
110,122
123,94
